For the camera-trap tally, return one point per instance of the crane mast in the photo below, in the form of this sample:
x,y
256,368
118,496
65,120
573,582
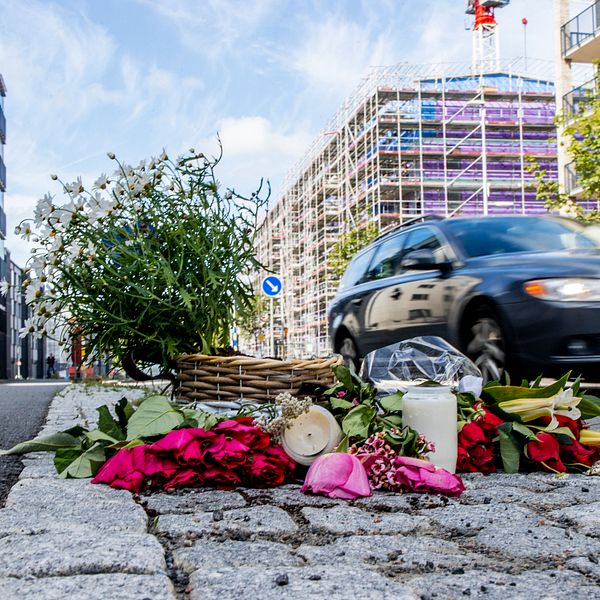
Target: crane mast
x,y
486,38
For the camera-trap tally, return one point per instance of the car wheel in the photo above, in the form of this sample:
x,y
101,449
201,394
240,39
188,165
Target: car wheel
x,y
486,345
347,349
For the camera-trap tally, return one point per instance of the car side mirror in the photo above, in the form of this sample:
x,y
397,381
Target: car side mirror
x,y
423,260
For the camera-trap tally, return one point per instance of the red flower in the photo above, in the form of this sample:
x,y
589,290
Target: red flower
x,y
185,478
222,478
270,467
574,425
134,468
546,450
231,452
188,446
244,431
574,452
472,434
489,421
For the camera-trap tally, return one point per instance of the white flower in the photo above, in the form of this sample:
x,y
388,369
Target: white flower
x,y
75,188
565,404
25,231
74,249
91,251
164,156
4,287
43,209
28,328
33,292
102,182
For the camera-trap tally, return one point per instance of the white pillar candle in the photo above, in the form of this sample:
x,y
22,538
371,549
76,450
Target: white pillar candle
x,y
310,435
432,412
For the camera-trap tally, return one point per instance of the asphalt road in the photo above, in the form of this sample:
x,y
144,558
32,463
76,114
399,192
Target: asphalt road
x,y
23,408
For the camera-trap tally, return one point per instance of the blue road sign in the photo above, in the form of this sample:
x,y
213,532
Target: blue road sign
x,y
271,286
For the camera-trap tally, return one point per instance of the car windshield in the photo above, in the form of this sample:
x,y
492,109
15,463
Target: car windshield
x,y
506,235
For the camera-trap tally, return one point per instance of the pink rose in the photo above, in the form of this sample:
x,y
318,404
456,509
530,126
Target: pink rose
x,y
337,475
231,452
418,475
134,468
185,478
188,446
244,430
222,478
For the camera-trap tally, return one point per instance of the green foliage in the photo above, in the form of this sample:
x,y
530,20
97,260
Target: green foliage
x,y
361,413
80,453
255,320
582,134
348,245
154,258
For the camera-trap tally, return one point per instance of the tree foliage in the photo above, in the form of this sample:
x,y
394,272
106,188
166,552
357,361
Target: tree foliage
x,y
349,244
582,142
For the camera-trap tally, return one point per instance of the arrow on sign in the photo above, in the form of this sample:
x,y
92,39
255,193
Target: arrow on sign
x,y
274,288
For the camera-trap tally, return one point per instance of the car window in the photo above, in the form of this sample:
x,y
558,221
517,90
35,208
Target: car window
x,y
387,259
505,235
424,238
356,269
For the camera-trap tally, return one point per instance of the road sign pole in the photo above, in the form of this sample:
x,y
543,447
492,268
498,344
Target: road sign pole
x,y
271,334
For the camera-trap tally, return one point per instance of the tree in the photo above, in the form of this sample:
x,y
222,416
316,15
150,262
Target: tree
x,y
349,244
582,135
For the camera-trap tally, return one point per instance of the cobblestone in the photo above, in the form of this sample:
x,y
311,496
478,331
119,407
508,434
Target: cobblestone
x,y
350,519
244,521
508,536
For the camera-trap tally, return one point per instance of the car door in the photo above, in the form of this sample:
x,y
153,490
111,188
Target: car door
x,y
376,305
413,302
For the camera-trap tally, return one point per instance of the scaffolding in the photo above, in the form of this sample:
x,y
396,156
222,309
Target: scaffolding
x,y
412,139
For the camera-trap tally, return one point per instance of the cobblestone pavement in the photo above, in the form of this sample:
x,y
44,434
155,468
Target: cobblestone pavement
x,y
508,536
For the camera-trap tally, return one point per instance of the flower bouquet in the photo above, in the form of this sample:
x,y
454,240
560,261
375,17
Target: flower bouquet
x,y
147,263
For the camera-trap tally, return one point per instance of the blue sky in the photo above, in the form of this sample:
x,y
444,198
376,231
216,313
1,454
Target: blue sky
x,y
130,76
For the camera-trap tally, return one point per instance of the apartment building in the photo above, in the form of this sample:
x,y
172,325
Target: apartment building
x,y
579,44
411,140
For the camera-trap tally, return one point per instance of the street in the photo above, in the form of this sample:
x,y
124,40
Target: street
x,y
23,408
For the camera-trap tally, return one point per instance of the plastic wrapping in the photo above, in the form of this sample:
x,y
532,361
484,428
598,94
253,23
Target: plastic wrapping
x,y
416,360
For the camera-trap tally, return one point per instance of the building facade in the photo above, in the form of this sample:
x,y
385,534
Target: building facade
x,y
412,140
4,259
579,44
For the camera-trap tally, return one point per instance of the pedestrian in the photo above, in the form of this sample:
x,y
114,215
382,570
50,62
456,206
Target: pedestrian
x,y
50,363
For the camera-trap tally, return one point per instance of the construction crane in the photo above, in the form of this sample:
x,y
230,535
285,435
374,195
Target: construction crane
x,y
486,39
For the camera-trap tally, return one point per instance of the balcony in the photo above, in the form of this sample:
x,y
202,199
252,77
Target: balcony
x,y
578,99
572,183
580,37
2,126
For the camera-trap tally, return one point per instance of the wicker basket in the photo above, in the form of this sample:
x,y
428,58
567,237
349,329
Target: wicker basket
x,y
231,378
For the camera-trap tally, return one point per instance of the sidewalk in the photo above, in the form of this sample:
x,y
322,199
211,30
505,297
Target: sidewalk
x,y
508,536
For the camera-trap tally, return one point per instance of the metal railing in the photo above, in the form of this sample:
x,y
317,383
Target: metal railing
x,y
576,100
585,25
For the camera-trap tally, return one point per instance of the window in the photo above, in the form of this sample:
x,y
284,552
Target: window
x,y
424,238
387,260
356,270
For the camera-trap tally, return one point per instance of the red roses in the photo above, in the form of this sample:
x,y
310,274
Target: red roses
x,y
476,442
234,452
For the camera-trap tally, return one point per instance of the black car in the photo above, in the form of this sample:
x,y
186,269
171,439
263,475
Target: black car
x,y
514,293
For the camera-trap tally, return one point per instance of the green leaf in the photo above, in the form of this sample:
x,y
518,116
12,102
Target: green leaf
x,y
392,421
343,445
523,430
85,465
510,449
357,422
65,456
155,416
563,432
536,383
340,403
123,410
502,393
199,418
576,385
392,403
344,376
99,436
107,424
589,406
48,443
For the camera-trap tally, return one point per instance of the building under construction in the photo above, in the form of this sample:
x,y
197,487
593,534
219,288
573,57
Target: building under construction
x,y
412,140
